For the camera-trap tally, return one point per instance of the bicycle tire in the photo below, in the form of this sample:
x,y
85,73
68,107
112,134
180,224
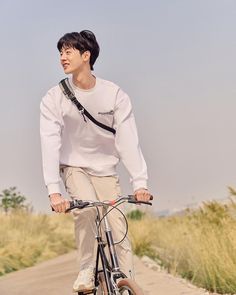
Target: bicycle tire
x,y
129,287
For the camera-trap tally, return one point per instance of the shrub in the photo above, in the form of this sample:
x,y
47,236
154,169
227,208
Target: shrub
x,y
135,214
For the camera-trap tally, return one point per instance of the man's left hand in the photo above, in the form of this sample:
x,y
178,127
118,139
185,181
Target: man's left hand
x,y
142,194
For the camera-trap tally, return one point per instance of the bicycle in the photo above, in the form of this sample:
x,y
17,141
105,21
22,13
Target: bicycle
x,y
110,280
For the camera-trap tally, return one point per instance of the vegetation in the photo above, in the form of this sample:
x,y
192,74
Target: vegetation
x,y
12,200
28,238
136,214
199,245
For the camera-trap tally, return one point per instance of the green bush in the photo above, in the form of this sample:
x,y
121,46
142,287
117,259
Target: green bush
x,y
136,214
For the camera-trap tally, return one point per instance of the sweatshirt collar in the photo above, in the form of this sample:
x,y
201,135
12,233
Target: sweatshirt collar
x,y
76,88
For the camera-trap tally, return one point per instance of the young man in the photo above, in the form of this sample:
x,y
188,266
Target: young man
x,y
84,155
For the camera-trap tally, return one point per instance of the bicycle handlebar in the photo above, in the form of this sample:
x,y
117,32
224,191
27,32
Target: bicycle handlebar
x,y
79,204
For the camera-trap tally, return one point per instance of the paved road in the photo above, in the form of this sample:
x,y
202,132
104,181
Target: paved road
x,y
55,277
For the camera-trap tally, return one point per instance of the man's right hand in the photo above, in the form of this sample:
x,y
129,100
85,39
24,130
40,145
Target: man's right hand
x,y
58,203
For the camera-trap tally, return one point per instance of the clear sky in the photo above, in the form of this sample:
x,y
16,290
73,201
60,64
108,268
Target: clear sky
x,y
176,60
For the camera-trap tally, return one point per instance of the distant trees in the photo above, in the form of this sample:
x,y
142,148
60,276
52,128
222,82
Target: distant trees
x,y
10,200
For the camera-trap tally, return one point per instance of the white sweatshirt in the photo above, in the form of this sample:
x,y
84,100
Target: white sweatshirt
x,y
66,139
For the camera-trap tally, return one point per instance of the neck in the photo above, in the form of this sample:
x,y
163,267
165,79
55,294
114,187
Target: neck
x,y
84,80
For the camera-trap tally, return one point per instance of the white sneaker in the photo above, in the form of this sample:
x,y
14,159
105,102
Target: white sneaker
x,y
85,280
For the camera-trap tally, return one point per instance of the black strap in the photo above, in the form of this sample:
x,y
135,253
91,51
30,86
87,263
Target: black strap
x,y
68,92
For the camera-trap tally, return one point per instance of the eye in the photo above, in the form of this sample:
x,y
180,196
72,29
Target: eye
x,y
68,52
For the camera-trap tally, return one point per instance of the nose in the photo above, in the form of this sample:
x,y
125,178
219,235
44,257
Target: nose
x,y
62,56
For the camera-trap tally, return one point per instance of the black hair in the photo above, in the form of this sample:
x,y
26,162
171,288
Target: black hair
x,y
83,41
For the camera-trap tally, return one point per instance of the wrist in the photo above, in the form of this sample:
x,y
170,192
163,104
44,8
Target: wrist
x,y
53,188
139,184
141,189
54,195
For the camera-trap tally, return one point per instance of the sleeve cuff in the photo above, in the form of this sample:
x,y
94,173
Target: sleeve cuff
x,y
54,188
139,184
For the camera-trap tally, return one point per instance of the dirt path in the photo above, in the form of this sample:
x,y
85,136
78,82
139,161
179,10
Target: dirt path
x,y
55,277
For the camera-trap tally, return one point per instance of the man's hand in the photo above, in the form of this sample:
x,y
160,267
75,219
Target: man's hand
x,y
142,194
58,203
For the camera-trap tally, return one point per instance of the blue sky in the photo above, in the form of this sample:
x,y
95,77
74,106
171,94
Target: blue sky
x,y
176,60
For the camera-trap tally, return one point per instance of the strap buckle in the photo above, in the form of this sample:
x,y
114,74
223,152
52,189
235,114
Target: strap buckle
x,y
81,110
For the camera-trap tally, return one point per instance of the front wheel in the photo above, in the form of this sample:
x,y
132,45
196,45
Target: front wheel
x,y
129,287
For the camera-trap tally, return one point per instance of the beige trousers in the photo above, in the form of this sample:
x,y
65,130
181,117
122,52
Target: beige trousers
x,y
84,186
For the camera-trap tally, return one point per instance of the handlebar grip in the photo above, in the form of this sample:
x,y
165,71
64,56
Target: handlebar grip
x,y
140,202
77,204
134,201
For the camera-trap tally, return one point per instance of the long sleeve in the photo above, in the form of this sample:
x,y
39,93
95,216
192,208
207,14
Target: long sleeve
x,y
50,132
126,141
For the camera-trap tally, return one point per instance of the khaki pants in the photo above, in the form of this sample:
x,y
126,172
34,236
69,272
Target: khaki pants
x,y
83,186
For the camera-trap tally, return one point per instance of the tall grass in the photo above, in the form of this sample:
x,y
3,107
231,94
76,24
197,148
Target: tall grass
x,y
200,245
26,238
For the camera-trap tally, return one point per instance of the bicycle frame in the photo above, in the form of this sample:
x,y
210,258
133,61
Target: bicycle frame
x,y
111,272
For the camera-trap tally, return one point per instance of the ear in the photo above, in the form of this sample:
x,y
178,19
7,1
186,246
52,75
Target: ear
x,y
86,55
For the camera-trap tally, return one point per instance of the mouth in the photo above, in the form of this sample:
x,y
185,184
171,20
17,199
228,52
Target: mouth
x,y
65,65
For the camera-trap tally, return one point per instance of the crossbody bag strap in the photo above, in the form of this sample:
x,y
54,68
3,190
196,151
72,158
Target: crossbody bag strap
x,y
69,93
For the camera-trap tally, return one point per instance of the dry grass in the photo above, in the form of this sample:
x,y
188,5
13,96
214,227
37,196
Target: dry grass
x,y
200,246
26,239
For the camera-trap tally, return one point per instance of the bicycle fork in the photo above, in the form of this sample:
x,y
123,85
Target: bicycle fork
x,y
115,269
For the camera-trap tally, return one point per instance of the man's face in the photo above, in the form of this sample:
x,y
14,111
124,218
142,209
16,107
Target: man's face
x,y
72,61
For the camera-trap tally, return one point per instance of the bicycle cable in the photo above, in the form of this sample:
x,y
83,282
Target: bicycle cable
x,y
123,215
